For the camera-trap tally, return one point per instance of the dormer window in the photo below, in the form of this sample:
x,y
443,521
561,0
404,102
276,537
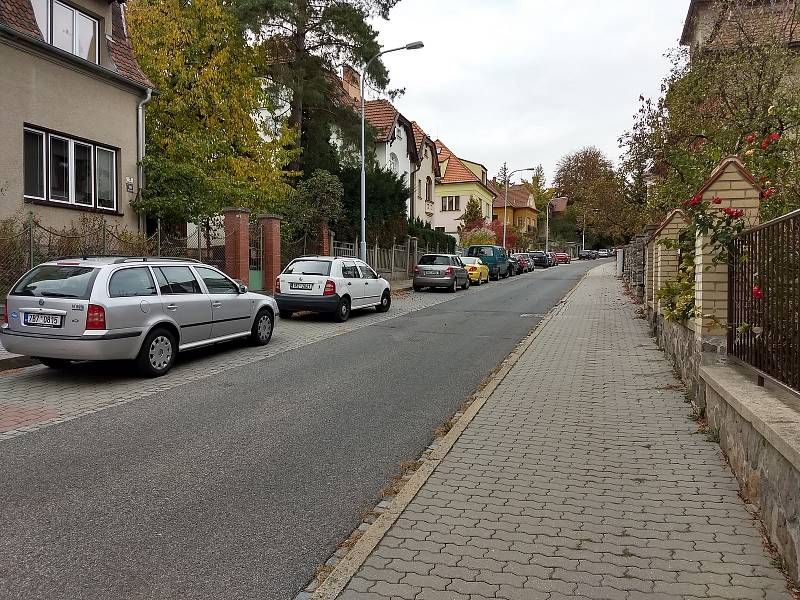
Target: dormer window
x,y
67,28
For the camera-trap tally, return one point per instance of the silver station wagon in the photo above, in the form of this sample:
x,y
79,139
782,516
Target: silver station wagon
x,y
141,309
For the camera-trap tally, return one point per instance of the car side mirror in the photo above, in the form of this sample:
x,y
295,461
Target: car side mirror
x,y
242,286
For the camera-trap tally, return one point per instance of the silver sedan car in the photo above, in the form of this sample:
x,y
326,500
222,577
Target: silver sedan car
x,y
440,270
141,309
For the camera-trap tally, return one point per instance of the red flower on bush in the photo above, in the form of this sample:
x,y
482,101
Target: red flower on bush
x,y
697,199
768,192
733,213
774,137
716,200
758,294
751,138
765,143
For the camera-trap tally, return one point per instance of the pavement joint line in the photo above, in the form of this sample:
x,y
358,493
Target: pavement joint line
x,y
348,566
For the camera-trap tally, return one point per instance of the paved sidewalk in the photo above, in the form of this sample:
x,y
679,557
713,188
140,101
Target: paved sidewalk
x,y
581,477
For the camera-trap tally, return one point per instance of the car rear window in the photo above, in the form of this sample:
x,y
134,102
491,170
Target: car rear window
x,y
57,281
480,251
469,260
434,259
308,267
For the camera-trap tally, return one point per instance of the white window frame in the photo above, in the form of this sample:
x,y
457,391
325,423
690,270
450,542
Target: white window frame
x,y
94,148
45,174
113,178
48,32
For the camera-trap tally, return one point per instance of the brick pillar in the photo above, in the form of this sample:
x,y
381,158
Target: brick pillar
x,y
237,243
324,239
666,258
736,188
270,249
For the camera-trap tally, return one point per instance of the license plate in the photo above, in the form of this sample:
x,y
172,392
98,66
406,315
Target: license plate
x,y
40,320
301,286
431,272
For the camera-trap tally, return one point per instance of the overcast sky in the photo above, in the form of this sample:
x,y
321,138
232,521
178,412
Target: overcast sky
x,y
527,81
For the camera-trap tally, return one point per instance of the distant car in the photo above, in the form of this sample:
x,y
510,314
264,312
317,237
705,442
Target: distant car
x,y
333,285
585,255
602,253
477,270
123,308
540,259
440,271
525,261
515,268
495,257
553,259
563,258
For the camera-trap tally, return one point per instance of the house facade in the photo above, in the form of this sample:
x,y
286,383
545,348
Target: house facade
x,y
521,213
461,181
72,95
424,177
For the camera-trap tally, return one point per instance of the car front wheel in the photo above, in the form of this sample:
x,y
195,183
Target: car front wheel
x,y
261,333
342,311
157,354
386,302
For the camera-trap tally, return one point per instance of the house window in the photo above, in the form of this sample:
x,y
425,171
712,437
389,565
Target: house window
x,y
67,28
67,171
394,163
419,189
428,190
451,203
33,158
520,222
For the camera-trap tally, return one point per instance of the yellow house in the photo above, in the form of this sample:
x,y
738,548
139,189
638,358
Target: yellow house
x,y
521,212
461,181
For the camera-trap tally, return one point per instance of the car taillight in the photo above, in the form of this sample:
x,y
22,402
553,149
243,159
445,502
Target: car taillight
x,y
416,270
330,288
448,271
277,285
95,317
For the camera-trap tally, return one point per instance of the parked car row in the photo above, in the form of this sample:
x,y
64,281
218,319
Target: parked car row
x,y
147,309
595,254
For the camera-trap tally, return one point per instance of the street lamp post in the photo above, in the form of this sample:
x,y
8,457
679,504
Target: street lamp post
x,y
505,205
363,249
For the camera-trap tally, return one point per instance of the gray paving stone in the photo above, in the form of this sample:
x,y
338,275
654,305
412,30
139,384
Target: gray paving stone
x,y
579,483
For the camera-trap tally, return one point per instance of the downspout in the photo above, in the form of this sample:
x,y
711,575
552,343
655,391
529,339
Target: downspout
x,y
140,147
414,190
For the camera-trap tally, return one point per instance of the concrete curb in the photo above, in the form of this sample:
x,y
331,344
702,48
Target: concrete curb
x,y
344,570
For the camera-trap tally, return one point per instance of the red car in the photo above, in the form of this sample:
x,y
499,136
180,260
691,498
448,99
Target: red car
x,y
563,257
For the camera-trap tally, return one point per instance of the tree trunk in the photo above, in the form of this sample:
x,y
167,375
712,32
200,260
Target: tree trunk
x,y
296,106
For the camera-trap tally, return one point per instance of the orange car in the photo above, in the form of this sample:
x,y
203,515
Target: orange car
x,y
563,258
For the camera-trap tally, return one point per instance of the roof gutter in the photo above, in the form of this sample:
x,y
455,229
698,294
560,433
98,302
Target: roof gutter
x,y
140,136
10,32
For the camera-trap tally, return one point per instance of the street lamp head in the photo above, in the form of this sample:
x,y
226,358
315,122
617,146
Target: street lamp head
x,y
415,46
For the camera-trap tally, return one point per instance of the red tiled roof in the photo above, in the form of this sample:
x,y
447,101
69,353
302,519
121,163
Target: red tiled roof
x,y
121,51
456,171
18,14
559,205
518,197
382,116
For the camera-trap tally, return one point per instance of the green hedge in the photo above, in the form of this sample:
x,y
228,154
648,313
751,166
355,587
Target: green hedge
x,y
427,236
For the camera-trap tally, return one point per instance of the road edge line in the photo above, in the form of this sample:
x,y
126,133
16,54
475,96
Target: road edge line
x,y
346,568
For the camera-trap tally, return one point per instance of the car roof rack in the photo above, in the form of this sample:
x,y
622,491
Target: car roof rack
x,y
116,259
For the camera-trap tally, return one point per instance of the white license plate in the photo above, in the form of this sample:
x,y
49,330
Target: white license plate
x,y
431,272
301,286
41,320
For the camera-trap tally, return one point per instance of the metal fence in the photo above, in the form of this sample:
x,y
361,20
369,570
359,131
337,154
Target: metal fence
x,y
764,299
24,245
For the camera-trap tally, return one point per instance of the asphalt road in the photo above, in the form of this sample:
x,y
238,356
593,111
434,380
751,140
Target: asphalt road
x,y
239,485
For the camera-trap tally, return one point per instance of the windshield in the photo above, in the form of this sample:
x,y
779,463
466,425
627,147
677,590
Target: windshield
x,y
309,267
57,281
434,259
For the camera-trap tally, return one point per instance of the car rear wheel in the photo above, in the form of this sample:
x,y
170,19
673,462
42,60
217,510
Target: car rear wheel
x,y
261,333
286,314
466,284
157,354
342,311
386,302
55,363
417,288
480,280
453,288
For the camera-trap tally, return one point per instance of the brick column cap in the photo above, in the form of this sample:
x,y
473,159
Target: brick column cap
x,y
235,209
270,216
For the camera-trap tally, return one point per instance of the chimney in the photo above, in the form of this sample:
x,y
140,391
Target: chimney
x,y
351,81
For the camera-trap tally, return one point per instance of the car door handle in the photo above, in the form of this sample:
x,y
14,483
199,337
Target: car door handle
x,y
172,307
366,283
216,304
349,283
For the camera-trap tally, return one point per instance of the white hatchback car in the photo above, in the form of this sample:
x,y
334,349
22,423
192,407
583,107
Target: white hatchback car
x,y
329,284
